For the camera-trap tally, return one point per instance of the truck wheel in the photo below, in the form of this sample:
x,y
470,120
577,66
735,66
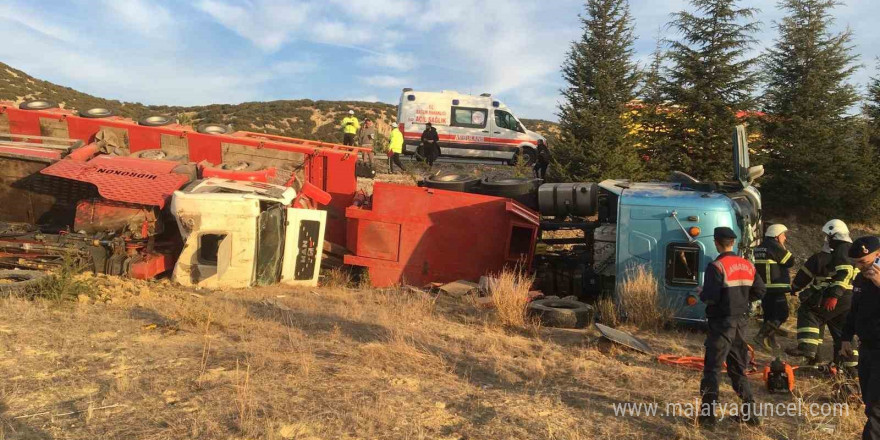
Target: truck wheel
x,y
212,129
562,313
18,281
453,182
156,154
155,121
508,186
97,112
38,104
241,166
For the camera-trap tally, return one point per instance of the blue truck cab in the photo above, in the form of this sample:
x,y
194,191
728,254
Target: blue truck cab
x,y
668,227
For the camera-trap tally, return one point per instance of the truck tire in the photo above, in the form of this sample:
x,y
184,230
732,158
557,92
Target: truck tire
x,y
96,113
240,166
156,154
508,186
562,313
453,182
18,281
155,121
37,104
212,128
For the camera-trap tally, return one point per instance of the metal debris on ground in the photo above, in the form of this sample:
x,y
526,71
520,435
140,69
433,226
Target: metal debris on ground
x,y
459,288
623,338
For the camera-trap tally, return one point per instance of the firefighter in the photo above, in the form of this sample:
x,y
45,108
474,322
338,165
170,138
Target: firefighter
x,y
430,146
863,321
350,127
809,283
829,306
395,148
543,160
729,285
772,261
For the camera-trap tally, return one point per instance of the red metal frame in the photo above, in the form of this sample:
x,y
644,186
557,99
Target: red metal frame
x,y
323,160
419,235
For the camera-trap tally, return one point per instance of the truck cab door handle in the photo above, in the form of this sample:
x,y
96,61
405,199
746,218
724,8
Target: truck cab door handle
x,y
497,132
485,131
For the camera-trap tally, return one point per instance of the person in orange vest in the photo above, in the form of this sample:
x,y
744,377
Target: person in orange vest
x,y
729,285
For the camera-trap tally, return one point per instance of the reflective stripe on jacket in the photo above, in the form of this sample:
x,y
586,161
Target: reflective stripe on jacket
x,y
772,262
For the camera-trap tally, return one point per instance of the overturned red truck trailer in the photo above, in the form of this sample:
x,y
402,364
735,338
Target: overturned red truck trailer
x,y
401,234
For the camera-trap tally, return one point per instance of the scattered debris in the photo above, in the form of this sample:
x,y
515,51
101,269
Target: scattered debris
x,y
623,338
563,313
69,413
460,288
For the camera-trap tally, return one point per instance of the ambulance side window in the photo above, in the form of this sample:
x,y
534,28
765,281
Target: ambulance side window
x,y
506,120
469,117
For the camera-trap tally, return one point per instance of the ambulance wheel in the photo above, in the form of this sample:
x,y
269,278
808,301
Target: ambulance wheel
x,y
155,121
212,129
241,166
19,281
96,113
561,313
38,104
529,157
453,182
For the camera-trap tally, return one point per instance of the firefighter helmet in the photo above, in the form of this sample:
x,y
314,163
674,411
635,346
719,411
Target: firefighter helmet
x,y
836,230
776,230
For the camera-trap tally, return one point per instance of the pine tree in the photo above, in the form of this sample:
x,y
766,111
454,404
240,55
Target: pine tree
x,y
710,79
817,152
652,120
872,112
596,141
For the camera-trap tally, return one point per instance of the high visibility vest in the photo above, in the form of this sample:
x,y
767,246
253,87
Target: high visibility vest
x,y
395,141
350,125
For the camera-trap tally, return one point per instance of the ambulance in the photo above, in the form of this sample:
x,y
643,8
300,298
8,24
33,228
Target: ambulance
x,y
469,126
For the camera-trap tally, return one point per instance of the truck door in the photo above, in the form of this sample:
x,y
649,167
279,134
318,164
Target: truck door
x,y
741,156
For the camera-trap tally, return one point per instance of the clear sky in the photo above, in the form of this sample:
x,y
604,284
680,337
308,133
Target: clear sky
x,y
230,51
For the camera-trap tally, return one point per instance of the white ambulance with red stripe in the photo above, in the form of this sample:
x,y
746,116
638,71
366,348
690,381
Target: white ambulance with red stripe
x,y
468,126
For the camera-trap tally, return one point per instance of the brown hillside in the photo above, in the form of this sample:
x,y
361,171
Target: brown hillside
x,y
302,118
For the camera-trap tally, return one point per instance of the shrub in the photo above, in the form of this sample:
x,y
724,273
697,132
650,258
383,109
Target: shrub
x,y
510,296
641,301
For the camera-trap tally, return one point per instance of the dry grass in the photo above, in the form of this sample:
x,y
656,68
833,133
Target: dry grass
x,y
641,300
333,363
510,298
607,312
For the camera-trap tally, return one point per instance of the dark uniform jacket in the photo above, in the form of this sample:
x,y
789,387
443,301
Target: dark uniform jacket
x,y
729,285
543,153
840,271
864,314
772,262
430,135
813,274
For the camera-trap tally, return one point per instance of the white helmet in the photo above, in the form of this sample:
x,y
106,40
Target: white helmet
x,y
776,230
836,230
351,112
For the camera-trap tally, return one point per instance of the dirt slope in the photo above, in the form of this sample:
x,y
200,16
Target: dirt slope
x,y
151,361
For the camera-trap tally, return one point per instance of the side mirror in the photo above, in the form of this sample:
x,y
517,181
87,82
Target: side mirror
x,y
755,172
